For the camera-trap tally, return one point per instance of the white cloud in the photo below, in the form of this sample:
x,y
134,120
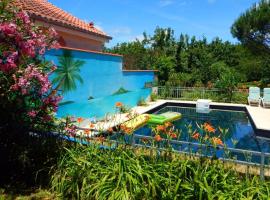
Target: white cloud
x,y
164,3
118,31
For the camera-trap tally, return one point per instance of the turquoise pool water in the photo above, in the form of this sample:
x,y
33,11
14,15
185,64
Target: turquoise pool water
x,y
99,107
241,134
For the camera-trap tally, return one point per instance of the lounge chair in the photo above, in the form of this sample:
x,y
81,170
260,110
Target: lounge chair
x,y
266,98
254,96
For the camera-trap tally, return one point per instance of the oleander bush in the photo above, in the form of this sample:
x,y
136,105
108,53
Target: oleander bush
x,y
26,95
27,101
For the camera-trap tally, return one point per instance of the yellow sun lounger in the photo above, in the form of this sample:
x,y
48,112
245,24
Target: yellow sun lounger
x,y
137,122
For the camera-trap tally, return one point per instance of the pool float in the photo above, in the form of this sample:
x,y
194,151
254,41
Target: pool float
x,y
137,122
164,117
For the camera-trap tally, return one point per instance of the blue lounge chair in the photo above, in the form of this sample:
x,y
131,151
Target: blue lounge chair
x,y
266,98
254,96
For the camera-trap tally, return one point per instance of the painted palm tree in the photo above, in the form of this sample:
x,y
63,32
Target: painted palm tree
x,y
68,73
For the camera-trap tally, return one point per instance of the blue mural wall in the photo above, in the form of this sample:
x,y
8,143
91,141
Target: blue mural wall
x,y
102,76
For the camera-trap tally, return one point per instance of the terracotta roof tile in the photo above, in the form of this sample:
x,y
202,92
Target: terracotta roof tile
x,y
42,9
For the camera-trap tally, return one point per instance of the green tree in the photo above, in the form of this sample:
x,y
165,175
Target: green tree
x,y
253,27
67,73
228,82
178,56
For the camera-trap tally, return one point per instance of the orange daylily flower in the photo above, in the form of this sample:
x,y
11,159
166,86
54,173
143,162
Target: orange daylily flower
x,y
158,138
168,124
80,120
87,131
217,141
173,135
196,136
91,125
118,104
209,128
160,128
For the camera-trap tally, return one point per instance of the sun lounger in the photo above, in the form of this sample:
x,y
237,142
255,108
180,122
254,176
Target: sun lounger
x,y
254,97
266,98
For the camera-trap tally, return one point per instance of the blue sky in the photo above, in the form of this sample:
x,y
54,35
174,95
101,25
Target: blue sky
x,y
126,20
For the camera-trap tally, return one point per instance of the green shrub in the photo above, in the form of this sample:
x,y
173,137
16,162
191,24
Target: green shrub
x,y
94,173
153,97
141,102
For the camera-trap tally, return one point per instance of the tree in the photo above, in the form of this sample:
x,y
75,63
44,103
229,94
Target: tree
x,y
178,56
228,83
253,27
68,72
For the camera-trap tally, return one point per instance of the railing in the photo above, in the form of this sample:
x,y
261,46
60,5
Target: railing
x,y
244,158
249,158
191,94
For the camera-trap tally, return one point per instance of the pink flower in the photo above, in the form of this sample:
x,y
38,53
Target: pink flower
x,y
24,17
32,113
8,29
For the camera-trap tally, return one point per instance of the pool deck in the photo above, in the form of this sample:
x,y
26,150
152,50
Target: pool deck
x,y
259,116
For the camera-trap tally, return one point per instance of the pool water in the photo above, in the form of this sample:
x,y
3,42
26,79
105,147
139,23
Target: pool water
x,y
238,123
99,107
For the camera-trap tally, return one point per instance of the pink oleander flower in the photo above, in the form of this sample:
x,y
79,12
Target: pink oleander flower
x,y
32,113
9,29
23,16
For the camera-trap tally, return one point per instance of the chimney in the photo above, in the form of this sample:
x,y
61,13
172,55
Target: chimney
x,y
91,24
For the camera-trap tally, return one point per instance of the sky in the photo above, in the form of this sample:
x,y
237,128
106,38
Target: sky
x,y
126,20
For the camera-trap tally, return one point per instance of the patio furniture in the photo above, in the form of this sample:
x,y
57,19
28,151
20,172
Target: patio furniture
x,y
254,96
266,98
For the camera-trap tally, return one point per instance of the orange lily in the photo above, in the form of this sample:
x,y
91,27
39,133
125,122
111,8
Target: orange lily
x,y
160,128
209,128
118,104
196,136
158,138
217,141
91,125
80,120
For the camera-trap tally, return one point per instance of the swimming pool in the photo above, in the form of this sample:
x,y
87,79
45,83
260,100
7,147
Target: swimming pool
x,y
99,107
241,134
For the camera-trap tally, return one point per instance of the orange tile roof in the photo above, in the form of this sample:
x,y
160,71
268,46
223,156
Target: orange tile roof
x,y
44,10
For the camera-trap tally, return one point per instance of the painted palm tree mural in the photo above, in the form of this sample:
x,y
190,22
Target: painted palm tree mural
x,y
68,73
